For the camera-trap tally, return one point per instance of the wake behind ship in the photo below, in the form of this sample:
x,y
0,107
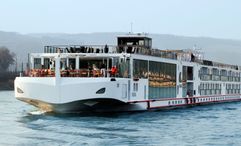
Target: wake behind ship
x,y
131,76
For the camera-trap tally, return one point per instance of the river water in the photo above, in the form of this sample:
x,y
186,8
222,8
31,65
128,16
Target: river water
x,y
218,124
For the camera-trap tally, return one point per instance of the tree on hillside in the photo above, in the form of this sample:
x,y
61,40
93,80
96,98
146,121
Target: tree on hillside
x,y
6,58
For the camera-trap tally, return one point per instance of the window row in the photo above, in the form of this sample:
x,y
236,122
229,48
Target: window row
x,y
209,86
233,86
209,91
232,91
219,78
215,71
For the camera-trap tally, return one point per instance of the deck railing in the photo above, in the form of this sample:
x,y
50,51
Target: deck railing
x,y
184,55
72,73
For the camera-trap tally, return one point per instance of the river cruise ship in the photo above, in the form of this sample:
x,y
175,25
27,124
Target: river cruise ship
x,y
131,76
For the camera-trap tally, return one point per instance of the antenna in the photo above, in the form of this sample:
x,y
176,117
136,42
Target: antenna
x,y
131,27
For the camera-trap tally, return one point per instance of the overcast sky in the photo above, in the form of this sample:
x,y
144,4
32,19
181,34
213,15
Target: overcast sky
x,y
211,18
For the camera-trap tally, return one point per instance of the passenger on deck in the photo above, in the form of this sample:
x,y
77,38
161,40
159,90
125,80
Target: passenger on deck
x,y
89,70
59,50
91,50
103,70
71,67
97,50
106,49
82,49
113,71
188,93
95,71
192,57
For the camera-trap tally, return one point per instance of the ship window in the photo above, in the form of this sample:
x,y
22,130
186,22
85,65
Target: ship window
x,y
135,87
204,71
140,68
146,43
204,86
46,63
123,68
208,92
213,92
72,63
184,73
37,63
150,43
215,71
141,42
63,63
101,91
202,92
162,80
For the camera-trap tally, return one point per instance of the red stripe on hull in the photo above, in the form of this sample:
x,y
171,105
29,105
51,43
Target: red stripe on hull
x,y
194,104
167,99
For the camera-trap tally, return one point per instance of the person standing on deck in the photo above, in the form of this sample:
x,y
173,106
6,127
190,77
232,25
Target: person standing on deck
x,y
106,49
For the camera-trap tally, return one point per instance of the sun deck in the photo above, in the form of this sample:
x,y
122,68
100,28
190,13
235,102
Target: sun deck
x,y
98,60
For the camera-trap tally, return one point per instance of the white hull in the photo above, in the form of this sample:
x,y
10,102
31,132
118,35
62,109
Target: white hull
x,y
93,105
74,94
79,95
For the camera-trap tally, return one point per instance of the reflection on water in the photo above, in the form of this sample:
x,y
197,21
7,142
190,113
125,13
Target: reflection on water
x,y
203,125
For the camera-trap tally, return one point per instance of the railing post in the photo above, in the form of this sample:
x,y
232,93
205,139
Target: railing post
x,y
57,67
77,62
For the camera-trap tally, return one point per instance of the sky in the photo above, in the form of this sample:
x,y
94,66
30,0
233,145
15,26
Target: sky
x,y
205,18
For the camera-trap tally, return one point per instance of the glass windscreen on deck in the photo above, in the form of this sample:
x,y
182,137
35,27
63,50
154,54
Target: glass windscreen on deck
x,y
81,67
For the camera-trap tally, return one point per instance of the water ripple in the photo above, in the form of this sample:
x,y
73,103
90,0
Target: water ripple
x,y
203,125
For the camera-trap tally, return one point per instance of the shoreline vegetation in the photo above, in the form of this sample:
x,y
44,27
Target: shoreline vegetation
x,y
7,77
7,80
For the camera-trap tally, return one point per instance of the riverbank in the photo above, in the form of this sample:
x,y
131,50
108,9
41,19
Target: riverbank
x,y
9,85
7,80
